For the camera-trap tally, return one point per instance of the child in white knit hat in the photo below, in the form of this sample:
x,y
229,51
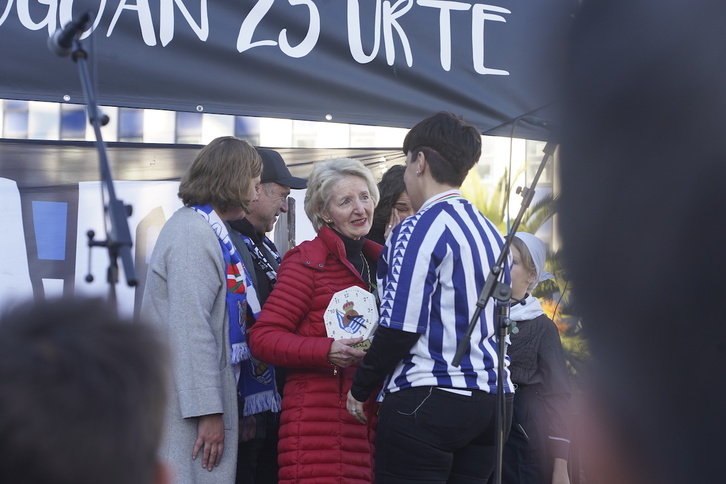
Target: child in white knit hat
x,y
537,448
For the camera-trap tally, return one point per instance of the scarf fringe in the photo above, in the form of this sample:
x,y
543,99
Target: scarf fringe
x,y
262,402
240,352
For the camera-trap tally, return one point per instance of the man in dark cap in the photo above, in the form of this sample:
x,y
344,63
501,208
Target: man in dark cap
x,y
257,460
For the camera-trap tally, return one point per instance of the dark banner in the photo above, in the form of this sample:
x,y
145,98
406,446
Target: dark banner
x,y
373,62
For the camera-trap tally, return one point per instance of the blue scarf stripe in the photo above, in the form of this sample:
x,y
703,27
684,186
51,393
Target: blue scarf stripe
x,y
256,383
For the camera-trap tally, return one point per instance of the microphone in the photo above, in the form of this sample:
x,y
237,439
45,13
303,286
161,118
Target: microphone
x,y
61,42
523,301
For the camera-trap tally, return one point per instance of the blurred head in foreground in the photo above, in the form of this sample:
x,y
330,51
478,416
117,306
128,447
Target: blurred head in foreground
x,y
82,396
643,165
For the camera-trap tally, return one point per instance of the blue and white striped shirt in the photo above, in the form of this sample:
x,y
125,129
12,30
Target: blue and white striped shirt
x,y
430,277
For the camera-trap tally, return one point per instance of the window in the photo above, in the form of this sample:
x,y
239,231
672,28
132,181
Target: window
x,y
73,122
533,160
247,128
15,123
189,128
131,125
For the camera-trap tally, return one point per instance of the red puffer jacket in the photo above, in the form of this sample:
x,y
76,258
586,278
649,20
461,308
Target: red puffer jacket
x,y
320,442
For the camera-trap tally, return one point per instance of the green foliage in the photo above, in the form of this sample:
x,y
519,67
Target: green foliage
x,y
492,204
538,214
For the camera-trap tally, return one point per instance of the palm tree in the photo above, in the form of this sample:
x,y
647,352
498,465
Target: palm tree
x,y
538,214
492,204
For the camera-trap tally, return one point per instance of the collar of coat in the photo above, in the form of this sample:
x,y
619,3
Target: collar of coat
x,y
315,258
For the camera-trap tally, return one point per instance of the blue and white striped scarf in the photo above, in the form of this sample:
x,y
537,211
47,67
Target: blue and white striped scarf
x,y
258,390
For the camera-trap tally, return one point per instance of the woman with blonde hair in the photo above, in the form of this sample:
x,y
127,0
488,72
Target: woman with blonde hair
x,y
319,440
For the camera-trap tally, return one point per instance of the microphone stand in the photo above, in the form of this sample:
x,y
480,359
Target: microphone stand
x,y
118,236
502,294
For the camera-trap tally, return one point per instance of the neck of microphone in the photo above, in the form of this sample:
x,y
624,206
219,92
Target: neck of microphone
x,y
61,42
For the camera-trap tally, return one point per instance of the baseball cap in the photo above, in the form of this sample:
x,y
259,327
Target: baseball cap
x,y
275,170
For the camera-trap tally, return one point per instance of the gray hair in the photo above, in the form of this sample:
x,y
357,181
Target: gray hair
x,y
322,179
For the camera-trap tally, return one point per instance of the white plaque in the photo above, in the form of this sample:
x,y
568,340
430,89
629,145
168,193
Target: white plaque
x,y
352,313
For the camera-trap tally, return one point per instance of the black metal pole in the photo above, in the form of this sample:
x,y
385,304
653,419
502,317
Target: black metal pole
x,y
502,324
118,236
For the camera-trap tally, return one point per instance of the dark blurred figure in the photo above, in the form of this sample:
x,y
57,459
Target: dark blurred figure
x,y
643,167
393,207
82,396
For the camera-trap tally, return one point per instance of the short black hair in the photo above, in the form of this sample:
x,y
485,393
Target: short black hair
x,y
451,145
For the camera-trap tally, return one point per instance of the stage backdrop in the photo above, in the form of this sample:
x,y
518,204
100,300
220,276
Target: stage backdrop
x,y
50,197
369,62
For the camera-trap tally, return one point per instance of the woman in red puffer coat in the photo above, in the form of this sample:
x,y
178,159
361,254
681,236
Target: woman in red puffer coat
x,y
320,441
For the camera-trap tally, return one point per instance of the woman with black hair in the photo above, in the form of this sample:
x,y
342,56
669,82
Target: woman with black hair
x,y
393,207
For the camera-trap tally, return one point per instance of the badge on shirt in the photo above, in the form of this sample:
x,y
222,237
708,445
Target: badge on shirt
x,y
352,313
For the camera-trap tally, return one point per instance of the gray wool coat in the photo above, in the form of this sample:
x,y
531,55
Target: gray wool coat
x,y
185,297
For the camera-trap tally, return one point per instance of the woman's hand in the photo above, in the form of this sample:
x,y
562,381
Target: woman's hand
x,y
355,408
342,355
210,440
393,220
